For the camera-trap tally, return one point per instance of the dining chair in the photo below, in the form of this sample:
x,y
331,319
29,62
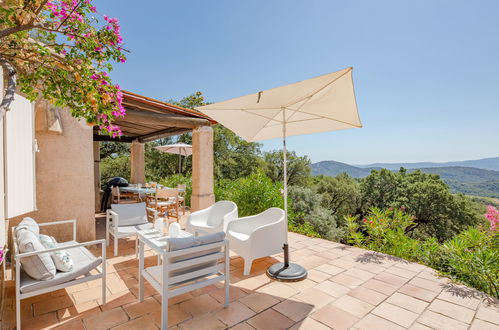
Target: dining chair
x,y
181,196
122,197
166,202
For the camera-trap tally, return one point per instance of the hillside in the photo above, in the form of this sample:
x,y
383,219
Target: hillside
x,y
467,180
485,163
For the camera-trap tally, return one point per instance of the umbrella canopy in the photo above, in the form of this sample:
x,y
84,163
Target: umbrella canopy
x,y
182,149
321,104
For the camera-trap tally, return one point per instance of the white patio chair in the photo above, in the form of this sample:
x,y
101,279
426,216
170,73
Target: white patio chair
x,y
189,263
83,262
257,236
212,219
125,220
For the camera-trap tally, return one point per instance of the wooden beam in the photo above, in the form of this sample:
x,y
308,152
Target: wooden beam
x,y
155,118
105,138
162,134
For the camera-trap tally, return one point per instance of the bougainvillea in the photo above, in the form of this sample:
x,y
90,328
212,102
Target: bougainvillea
x,y
62,51
493,216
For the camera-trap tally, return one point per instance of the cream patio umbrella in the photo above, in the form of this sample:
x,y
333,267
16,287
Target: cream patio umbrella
x,y
321,104
181,149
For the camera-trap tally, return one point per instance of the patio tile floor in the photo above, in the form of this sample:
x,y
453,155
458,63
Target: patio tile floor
x,y
347,288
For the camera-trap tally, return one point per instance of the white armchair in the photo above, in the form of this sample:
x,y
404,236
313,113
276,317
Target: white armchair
x,y
125,220
212,219
257,236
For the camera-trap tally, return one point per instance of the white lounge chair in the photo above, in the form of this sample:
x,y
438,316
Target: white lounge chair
x,y
189,263
83,262
125,220
257,236
212,219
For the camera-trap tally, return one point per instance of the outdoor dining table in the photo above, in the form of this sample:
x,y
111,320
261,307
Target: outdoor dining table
x,y
137,190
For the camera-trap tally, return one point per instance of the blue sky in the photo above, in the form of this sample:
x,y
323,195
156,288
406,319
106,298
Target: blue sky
x,y
426,71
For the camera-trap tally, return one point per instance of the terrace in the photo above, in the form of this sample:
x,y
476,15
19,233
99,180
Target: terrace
x,y
347,287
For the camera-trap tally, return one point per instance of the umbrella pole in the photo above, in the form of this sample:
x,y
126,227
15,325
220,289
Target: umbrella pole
x,y
179,163
286,272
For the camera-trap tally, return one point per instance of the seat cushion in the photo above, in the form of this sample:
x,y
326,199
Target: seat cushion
x,y
84,261
29,224
134,229
40,266
130,214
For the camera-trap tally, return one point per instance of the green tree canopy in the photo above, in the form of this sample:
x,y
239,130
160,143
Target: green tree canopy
x,y
298,167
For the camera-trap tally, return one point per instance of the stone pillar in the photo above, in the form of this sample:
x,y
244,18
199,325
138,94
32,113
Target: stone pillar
x,y
137,162
202,168
97,175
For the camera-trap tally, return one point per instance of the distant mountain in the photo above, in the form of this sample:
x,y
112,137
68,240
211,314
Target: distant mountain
x,y
486,164
467,180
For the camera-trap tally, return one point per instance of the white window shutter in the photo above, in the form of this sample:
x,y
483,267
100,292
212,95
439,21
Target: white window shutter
x,y
20,146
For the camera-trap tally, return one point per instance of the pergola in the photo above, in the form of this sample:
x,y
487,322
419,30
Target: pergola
x,y
149,119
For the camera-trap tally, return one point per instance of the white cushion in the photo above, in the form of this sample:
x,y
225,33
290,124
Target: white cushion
x,y
39,267
130,214
61,258
29,224
133,229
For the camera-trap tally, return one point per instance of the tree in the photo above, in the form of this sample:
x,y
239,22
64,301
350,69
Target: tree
x,y
233,157
340,194
438,213
111,149
60,51
298,170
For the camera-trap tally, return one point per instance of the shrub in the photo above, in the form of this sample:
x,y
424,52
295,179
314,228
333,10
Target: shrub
x,y
111,167
252,194
471,256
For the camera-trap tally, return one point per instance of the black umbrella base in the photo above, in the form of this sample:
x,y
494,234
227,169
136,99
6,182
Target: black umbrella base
x,y
292,273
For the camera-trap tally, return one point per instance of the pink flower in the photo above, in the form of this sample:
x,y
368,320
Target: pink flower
x,y
364,220
493,216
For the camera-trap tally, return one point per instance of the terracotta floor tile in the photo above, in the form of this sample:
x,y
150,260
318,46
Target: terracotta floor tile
x,y
317,276
278,290
294,309
371,321
359,273
309,324
451,310
236,312
347,280
259,301
115,284
206,322
419,326
329,269
401,272
242,326
418,292
332,288
52,305
270,320
466,301
72,325
353,306
483,325
426,284
342,263
145,322
335,318
87,295
488,312
370,296
380,286
439,321
302,285
370,267
176,315
407,302
137,308
395,314
235,293
106,320
200,305
391,279
252,283
314,297
40,322
117,300
313,261
79,311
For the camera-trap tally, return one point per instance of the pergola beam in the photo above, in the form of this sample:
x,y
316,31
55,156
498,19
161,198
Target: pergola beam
x,y
162,134
106,138
156,118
